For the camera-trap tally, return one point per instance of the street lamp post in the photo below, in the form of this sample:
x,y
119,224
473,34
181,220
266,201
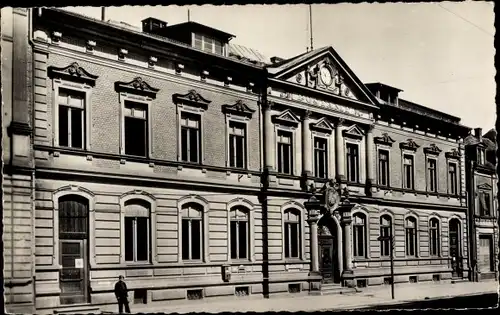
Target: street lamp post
x,y
390,238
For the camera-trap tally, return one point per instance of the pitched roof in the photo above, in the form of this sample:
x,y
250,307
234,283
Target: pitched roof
x,y
252,55
291,62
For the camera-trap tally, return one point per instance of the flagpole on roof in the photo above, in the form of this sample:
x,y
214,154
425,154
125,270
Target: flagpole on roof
x,y
310,25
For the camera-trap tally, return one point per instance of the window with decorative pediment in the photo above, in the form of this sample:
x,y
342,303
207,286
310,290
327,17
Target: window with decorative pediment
x,y
453,160
286,124
353,135
408,148
322,129
432,152
190,109
237,117
383,167
136,97
72,111
484,196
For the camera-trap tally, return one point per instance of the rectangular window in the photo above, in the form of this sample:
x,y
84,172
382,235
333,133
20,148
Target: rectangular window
x,y
285,152
237,144
239,240
136,129
136,239
481,156
383,167
320,157
291,240
484,204
71,118
432,175
208,44
352,158
191,239
190,138
408,171
452,170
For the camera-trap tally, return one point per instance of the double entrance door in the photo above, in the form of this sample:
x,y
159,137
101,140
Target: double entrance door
x,y
328,264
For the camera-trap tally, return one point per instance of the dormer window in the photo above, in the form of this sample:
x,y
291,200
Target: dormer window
x,y
480,156
208,44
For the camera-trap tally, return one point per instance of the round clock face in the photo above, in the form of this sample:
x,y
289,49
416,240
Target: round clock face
x,y
326,76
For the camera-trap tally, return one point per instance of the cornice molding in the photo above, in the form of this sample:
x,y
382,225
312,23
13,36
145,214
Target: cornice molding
x,y
147,72
409,145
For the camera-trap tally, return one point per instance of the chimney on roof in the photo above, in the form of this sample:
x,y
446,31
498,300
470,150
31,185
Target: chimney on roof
x,y
478,132
276,59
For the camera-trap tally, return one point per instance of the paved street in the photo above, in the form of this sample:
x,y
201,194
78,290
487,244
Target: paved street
x,y
368,298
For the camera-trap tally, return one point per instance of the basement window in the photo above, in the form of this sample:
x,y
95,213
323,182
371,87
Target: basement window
x,y
436,278
294,288
387,280
413,279
195,294
242,291
361,283
140,296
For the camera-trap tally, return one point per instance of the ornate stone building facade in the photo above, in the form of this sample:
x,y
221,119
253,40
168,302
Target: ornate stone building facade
x,y
167,155
483,210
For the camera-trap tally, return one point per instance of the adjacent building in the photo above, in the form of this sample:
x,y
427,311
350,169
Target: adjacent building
x,y
483,204
182,161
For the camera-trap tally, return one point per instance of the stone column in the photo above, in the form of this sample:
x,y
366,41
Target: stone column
x,y
307,150
269,159
339,152
313,225
370,151
347,274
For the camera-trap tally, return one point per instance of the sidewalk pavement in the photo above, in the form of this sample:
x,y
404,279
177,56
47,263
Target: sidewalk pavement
x,y
379,295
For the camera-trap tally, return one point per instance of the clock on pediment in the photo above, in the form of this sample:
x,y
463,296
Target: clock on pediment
x,y
326,75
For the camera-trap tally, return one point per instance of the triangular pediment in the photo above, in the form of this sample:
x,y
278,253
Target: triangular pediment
x,y
323,70
484,186
287,117
354,132
323,125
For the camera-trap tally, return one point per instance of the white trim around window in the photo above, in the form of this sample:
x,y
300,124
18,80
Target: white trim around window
x,y
457,176
360,159
294,149
244,122
434,158
366,232
138,195
416,235
412,154
387,148
329,150
296,207
143,100
58,84
205,227
439,235
198,111
250,207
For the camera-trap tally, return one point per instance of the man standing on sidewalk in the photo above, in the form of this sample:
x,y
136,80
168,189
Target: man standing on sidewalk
x,y
121,295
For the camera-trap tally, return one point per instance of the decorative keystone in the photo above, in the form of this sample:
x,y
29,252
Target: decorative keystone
x,y
90,45
204,75
122,53
56,37
152,61
178,68
228,81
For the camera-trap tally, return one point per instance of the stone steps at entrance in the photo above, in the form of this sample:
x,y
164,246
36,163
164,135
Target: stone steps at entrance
x,y
334,288
458,280
78,309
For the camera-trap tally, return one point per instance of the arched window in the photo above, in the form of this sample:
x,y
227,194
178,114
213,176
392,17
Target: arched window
x,y
192,231
411,236
137,227
385,231
434,236
239,233
454,235
292,233
73,217
359,235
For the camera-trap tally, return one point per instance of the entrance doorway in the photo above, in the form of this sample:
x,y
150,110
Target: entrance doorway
x,y
456,260
73,249
328,252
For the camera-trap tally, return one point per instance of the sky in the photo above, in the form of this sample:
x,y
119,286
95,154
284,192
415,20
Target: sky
x,y
440,54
